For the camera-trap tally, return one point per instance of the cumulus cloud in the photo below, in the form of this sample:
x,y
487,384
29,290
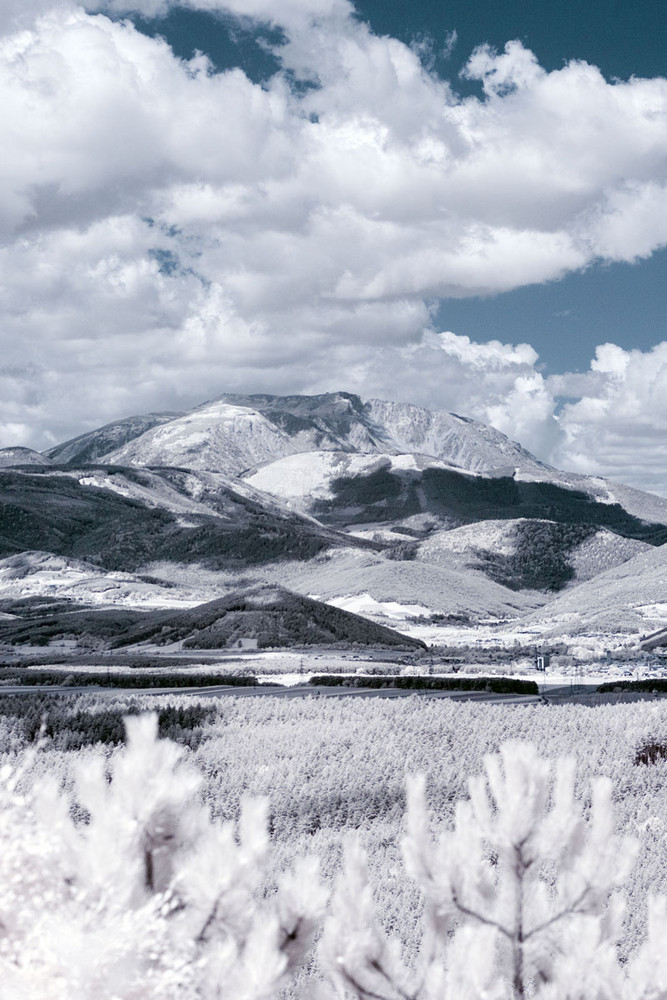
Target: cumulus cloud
x,y
496,383
288,14
618,422
609,421
169,231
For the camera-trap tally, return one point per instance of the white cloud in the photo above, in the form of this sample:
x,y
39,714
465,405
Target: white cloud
x,y
614,422
494,382
516,68
287,13
490,356
169,232
617,425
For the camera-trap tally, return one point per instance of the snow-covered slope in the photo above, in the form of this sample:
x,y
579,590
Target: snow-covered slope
x,y
303,479
345,573
401,499
216,436
461,547
92,446
646,506
476,447
603,551
124,518
628,598
341,421
333,421
239,434
39,574
236,433
178,491
455,548
457,440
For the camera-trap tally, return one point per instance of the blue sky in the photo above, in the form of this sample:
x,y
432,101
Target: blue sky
x,y
622,38
624,303
564,320
457,204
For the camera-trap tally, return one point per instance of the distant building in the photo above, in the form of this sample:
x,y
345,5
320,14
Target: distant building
x,y
542,660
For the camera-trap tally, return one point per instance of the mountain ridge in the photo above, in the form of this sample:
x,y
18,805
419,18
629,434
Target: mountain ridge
x,y
240,434
261,428
391,509
338,421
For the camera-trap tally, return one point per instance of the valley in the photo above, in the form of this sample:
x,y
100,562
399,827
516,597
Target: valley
x,y
326,526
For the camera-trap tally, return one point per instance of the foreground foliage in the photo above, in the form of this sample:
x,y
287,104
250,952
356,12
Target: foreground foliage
x,y
128,890
125,887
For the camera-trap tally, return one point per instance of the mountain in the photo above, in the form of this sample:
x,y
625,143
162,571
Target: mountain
x,y
460,441
123,519
30,575
369,582
97,443
242,434
217,437
309,480
525,553
333,421
389,509
628,599
417,495
270,614
236,433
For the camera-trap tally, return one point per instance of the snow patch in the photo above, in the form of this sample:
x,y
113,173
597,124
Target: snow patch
x,y
364,604
41,574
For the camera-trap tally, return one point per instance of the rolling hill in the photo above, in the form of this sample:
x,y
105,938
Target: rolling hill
x,y
271,616
99,442
630,598
122,519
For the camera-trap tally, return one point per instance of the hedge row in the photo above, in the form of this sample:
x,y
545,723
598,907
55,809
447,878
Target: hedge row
x,y
498,685
649,684
30,678
118,659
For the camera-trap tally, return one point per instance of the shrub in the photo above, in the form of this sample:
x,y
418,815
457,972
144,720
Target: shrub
x,y
147,898
651,752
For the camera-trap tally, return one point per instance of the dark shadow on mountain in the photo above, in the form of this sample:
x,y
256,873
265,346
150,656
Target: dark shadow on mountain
x,y
457,499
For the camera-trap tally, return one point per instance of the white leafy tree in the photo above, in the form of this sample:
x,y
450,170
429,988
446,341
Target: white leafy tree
x,y
145,898
126,890
521,898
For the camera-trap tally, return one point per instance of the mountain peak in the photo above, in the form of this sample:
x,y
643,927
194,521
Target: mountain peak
x,y
238,432
458,440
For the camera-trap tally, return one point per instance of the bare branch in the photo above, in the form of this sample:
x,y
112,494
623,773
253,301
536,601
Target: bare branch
x,y
571,909
212,917
462,908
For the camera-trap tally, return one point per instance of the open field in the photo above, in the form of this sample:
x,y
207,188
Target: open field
x,y
481,656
